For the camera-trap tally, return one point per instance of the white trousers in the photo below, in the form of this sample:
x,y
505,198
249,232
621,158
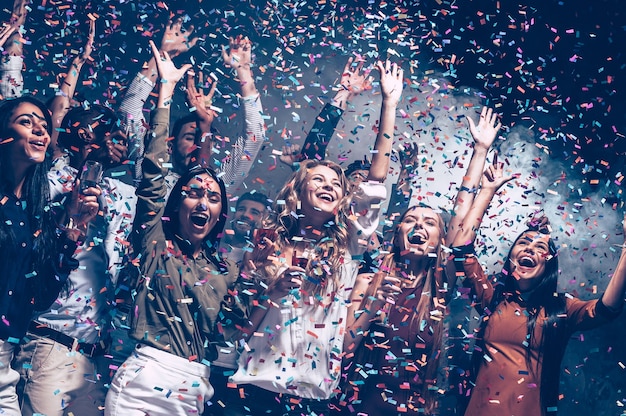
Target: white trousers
x,y
9,404
154,382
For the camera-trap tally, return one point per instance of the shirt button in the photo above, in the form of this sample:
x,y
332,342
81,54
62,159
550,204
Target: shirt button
x,y
22,223
23,244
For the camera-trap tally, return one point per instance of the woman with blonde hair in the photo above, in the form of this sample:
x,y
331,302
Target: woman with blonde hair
x,y
307,258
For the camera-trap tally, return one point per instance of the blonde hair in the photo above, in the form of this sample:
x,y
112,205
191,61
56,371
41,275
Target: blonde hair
x,y
333,243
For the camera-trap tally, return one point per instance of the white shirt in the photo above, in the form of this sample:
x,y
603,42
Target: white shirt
x,y
298,347
83,312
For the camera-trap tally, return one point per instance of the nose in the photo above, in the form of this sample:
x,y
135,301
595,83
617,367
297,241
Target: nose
x,y
38,129
327,185
202,206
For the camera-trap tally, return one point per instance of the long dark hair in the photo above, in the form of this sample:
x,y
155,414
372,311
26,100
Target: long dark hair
x,y
171,225
550,347
35,191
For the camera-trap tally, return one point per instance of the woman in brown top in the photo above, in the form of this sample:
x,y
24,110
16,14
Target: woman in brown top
x,y
526,324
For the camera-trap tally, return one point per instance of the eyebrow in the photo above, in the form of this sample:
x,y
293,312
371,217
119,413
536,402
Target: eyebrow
x,y
30,115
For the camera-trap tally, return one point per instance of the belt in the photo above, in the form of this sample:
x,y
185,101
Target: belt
x,y
87,349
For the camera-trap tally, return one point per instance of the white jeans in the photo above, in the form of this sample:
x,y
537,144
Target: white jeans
x,y
156,382
9,405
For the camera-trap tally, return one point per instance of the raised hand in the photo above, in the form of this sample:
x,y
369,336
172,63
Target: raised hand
x,y
485,132
391,79
290,154
355,79
239,53
196,98
169,74
494,178
176,39
89,45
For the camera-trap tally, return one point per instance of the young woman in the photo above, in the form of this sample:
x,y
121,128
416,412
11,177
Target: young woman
x,y
395,320
79,318
399,313
35,259
525,323
182,280
291,361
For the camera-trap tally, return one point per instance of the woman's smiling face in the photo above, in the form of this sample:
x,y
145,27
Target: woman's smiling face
x,y
321,194
419,233
528,259
200,208
29,130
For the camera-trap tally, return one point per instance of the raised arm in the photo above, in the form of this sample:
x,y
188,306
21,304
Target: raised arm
x,y
151,190
613,296
12,42
354,80
391,79
239,57
175,41
246,149
202,104
483,133
492,180
60,105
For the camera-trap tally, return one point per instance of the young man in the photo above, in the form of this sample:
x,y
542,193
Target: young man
x,y
251,209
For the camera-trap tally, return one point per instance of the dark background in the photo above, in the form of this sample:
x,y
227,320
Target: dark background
x,y
554,70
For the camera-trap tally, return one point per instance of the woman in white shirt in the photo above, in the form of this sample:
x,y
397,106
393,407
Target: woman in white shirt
x,y
307,258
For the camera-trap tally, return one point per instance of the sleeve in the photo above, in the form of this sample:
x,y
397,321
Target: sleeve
x,y
11,78
151,190
120,213
583,315
473,276
131,114
320,134
365,214
244,152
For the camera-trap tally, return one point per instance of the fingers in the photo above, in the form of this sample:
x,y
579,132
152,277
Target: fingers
x,y
191,84
380,66
346,69
184,69
155,51
212,90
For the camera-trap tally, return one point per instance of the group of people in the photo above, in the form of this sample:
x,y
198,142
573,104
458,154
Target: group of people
x,y
151,296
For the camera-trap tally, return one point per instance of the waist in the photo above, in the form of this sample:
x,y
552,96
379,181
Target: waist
x,y
258,394
73,344
167,359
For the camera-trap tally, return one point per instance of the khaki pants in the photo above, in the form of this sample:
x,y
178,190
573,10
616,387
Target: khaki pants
x,y
9,405
58,381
